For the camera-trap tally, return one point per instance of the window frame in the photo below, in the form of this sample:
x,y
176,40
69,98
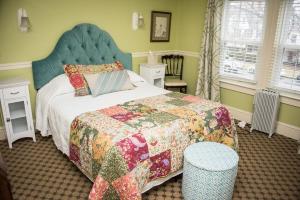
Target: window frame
x,y
264,71
282,46
235,78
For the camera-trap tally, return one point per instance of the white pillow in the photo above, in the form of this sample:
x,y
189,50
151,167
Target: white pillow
x,y
134,77
108,82
59,85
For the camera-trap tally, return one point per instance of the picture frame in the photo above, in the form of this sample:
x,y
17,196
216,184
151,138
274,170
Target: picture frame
x,y
160,26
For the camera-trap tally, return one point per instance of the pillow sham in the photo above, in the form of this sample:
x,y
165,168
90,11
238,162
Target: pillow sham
x,y
76,78
103,83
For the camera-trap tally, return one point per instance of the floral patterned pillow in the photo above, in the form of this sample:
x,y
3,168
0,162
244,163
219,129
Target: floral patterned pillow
x,y
77,80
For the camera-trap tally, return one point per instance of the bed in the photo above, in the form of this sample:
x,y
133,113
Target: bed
x,y
137,152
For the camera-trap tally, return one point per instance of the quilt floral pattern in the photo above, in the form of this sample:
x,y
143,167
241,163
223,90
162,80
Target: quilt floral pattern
x,y
124,147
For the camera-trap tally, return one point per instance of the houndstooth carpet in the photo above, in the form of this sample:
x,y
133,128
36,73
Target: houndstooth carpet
x,y
268,169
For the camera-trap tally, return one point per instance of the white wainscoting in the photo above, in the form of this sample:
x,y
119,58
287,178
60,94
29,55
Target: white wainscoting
x,y
28,64
18,65
164,52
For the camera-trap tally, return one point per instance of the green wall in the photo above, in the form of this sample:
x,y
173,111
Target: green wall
x,y
191,23
236,99
191,14
50,18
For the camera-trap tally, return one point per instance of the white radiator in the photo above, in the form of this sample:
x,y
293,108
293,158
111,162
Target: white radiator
x,y
266,104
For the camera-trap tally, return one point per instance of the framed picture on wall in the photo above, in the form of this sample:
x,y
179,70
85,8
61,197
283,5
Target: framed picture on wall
x,y
160,26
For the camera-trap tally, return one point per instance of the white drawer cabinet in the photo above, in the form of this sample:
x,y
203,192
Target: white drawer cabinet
x,y
16,109
153,74
14,92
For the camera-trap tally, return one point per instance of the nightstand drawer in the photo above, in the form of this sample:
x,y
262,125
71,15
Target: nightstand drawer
x,y
14,92
158,72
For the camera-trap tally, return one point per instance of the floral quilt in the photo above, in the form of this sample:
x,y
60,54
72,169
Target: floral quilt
x,y
124,147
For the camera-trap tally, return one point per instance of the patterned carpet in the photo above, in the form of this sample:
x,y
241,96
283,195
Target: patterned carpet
x,y
268,169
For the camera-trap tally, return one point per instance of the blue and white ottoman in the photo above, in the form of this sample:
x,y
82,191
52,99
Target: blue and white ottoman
x,y
209,171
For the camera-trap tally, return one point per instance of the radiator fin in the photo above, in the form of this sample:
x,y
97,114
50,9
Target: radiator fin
x,y
266,104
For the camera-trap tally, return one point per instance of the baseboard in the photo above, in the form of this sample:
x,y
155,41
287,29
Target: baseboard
x,y
2,133
288,130
281,128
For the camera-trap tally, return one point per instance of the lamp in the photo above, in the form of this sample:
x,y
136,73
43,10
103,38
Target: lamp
x,y
23,20
137,20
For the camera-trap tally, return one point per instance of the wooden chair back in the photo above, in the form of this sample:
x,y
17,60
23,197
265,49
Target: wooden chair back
x,y
174,65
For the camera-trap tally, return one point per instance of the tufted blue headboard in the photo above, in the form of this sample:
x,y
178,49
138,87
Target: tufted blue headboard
x,y
84,44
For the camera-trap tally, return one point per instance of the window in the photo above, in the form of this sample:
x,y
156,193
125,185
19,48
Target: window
x,y
241,38
287,62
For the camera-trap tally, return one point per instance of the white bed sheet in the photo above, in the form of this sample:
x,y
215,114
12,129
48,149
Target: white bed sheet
x,y
57,107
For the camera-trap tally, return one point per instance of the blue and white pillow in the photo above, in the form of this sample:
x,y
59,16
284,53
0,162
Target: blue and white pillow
x,y
107,82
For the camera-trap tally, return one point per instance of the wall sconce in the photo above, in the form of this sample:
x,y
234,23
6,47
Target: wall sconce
x,y
137,20
23,20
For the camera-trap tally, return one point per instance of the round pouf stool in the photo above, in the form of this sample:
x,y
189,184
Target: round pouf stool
x,y
209,171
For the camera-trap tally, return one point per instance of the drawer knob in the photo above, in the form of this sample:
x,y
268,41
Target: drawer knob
x,y
7,119
13,93
158,72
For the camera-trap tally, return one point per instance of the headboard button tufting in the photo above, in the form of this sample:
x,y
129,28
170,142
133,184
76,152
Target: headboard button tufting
x,y
76,46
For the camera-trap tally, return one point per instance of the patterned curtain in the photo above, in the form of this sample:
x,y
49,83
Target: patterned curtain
x,y
208,79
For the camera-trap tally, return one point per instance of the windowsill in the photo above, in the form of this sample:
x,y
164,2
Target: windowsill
x,y
242,83
240,86
250,88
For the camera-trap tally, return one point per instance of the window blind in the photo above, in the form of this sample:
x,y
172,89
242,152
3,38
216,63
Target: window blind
x,y
286,67
241,38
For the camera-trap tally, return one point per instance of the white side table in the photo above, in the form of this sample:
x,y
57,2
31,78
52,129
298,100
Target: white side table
x,y
153,74
16,109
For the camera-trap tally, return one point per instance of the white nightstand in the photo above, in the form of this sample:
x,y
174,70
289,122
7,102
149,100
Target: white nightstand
x,y
154,74
16,109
